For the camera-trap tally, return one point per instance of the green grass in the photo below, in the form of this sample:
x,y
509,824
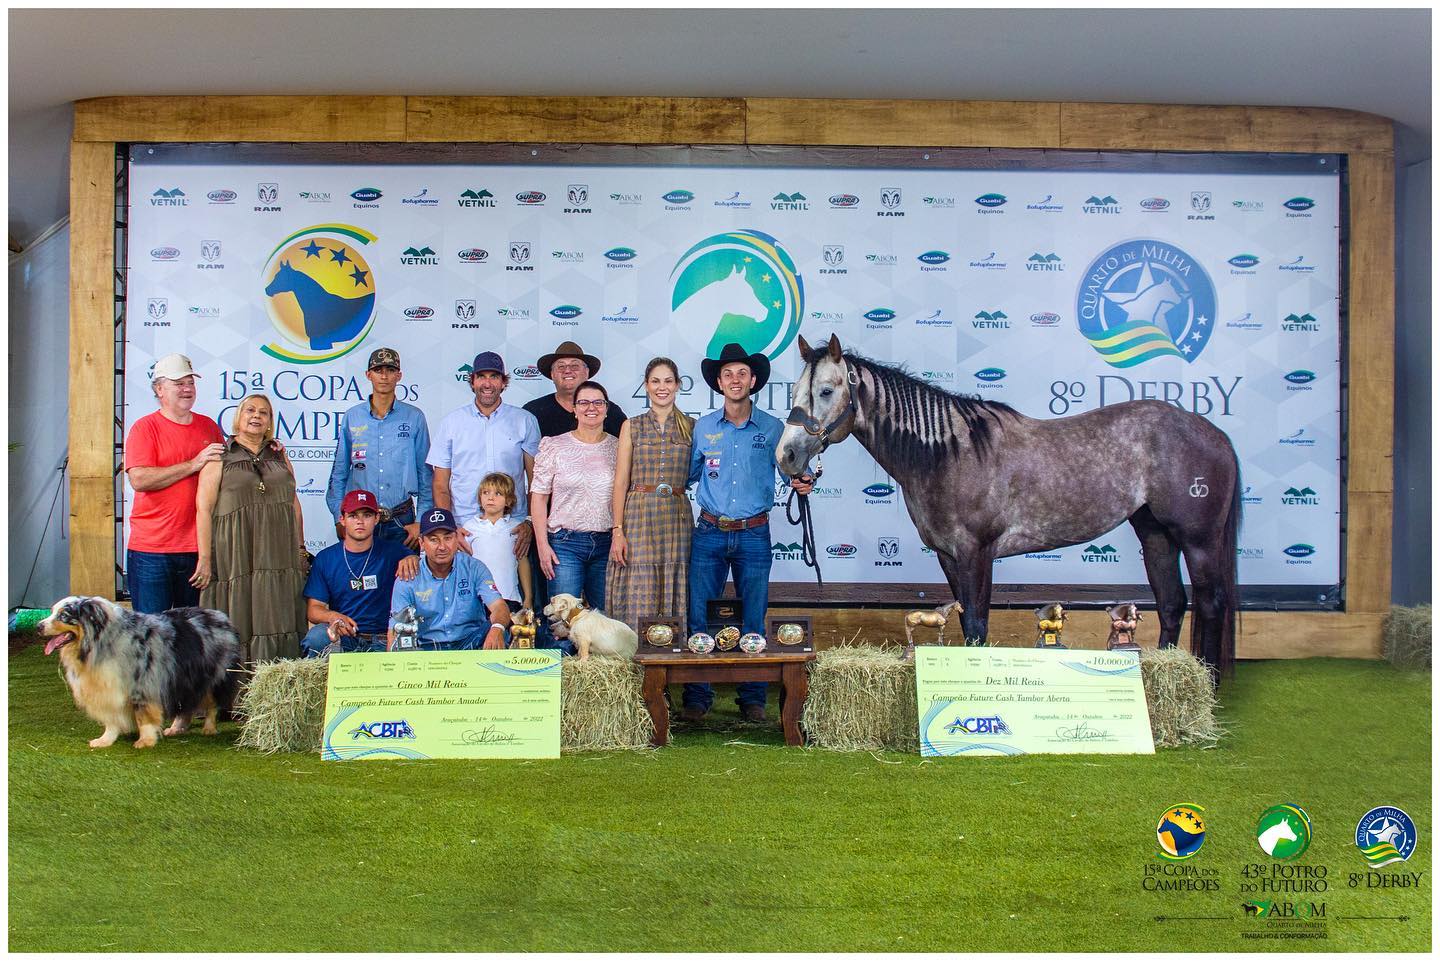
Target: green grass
x,y
708,845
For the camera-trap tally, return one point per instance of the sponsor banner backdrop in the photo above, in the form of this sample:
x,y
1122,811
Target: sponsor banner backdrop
x,y
1055,292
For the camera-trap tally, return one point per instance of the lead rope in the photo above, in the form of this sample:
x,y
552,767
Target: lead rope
x,y
807,525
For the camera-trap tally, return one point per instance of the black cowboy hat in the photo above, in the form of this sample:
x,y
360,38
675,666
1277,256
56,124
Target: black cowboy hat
x,y
567,349
735,354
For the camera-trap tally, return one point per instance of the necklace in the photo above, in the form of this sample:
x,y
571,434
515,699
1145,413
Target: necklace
x,y
346,555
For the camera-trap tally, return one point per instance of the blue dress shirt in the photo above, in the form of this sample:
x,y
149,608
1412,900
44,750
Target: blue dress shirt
x,y
470,445
385,456
453,610
733,467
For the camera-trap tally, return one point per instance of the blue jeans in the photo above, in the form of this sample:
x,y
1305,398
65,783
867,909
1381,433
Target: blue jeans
x,y
316,640
714,554
393,530
158,582
581,559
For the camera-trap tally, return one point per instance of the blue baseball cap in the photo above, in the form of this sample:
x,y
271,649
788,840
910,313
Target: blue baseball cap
x,y
437,519
487,360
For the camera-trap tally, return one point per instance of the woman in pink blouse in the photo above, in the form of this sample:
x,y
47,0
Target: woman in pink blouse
x,y
570,500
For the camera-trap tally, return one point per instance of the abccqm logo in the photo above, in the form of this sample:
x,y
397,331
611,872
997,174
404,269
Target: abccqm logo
x,y
319,293
1143,299
743,286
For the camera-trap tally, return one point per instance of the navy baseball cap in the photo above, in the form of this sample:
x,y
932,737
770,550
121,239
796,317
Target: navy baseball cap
x,y
437,519
487,360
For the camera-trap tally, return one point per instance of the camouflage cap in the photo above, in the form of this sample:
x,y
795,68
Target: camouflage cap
x,y
384,357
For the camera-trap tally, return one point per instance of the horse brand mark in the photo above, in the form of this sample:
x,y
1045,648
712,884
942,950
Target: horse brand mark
x,y
1199,488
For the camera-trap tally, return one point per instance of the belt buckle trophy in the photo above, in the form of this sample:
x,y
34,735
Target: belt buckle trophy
x,y
664,489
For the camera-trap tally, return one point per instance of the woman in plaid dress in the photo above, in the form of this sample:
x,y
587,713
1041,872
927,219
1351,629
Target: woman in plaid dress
x,y
650,549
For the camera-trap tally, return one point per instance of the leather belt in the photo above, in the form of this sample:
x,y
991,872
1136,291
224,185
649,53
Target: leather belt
x,y
728,524
657,489
400,510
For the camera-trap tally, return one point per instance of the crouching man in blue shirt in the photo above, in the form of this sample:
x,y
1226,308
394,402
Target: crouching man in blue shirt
x,y
348,592
453,594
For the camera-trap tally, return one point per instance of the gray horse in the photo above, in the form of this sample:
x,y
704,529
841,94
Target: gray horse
x,y
981,481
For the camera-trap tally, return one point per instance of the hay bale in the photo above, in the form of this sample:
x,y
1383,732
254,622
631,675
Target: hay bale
x,y
1407,637
284,706
1181,697
600,705
601,708
862,698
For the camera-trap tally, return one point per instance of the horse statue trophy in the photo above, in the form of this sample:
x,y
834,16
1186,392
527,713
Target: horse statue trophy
x,y
979,481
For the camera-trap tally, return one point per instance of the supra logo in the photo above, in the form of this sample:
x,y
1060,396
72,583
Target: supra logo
x,y
530,372
530,198
384,729
419,312
842,201
841,550
221,196
1045,318
164,253
1154,205
473,255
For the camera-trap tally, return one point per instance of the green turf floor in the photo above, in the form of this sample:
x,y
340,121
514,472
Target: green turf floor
x,y
724,841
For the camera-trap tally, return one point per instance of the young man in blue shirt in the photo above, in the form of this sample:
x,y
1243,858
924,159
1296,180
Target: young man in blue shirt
x,y
348,591
732,464
381,447
453,594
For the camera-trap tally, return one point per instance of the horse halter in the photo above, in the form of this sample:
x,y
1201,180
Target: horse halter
x,y
806,421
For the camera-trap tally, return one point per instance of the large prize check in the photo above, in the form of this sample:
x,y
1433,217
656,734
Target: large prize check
x,y
429,704
996,700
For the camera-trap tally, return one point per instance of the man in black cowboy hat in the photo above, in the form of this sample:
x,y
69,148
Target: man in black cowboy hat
x,y
732,465
569,367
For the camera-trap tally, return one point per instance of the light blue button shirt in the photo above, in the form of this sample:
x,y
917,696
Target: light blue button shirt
x,y
385,456
453,610
733,467
470,445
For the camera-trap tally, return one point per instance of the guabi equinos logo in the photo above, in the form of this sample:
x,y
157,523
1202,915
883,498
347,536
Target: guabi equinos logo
x,y
319,293
1143,299
743,286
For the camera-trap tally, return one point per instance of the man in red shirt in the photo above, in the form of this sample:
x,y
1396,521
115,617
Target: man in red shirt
x,y
163,456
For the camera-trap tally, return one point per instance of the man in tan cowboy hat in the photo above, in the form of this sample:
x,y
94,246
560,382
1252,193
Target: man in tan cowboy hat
x,y
732,466
569,367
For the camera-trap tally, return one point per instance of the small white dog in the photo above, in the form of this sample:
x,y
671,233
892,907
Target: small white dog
x,y
590,630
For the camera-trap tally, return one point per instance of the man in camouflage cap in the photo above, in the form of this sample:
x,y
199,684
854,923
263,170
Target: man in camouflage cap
x,y
381,447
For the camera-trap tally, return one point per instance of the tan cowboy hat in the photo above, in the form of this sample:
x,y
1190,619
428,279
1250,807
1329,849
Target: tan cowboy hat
x,y
568,349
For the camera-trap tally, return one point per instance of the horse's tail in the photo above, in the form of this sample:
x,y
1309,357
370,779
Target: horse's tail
x,y
1230,577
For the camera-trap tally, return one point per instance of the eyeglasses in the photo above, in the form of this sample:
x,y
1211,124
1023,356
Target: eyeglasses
x,y
576,368
590,403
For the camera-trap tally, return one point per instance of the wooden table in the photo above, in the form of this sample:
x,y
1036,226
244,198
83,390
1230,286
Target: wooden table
x,y
663,668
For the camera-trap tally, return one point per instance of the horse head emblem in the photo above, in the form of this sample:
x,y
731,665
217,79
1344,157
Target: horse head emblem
x,y
825,407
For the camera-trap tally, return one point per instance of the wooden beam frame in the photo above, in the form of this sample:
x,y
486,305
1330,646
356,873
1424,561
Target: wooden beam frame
x,y
1365,139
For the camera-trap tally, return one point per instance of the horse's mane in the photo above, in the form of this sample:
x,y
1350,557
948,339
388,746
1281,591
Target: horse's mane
x,y
924,422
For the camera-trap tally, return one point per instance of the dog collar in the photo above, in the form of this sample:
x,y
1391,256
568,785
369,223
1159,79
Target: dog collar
x,y
570,618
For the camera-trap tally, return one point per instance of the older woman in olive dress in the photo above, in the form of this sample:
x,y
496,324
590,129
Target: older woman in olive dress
x,y
650,549
251,538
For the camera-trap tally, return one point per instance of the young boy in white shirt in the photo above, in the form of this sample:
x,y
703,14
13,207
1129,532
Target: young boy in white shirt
x,y
492,540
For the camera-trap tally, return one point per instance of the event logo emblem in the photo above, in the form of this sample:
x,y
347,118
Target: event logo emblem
x,y
1181,831
473,255
1283,831
744,286
419,312
1143,299
992,724
844,200
164,253
221,196
530,198
383,730
319,293
841,550
1154,205
1386,835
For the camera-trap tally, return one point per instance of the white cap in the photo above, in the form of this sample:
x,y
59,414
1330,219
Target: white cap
x,y
173,367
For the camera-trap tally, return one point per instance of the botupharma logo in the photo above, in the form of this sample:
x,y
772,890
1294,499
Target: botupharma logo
x,y
319,293
744,286
1143,299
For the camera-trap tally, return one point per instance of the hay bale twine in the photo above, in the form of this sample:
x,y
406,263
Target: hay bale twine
x,y
284,706
1181,697
862,698
1407,637
601,706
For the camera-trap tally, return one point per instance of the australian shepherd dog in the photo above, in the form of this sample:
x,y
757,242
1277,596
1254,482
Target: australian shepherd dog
x,y
131,671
